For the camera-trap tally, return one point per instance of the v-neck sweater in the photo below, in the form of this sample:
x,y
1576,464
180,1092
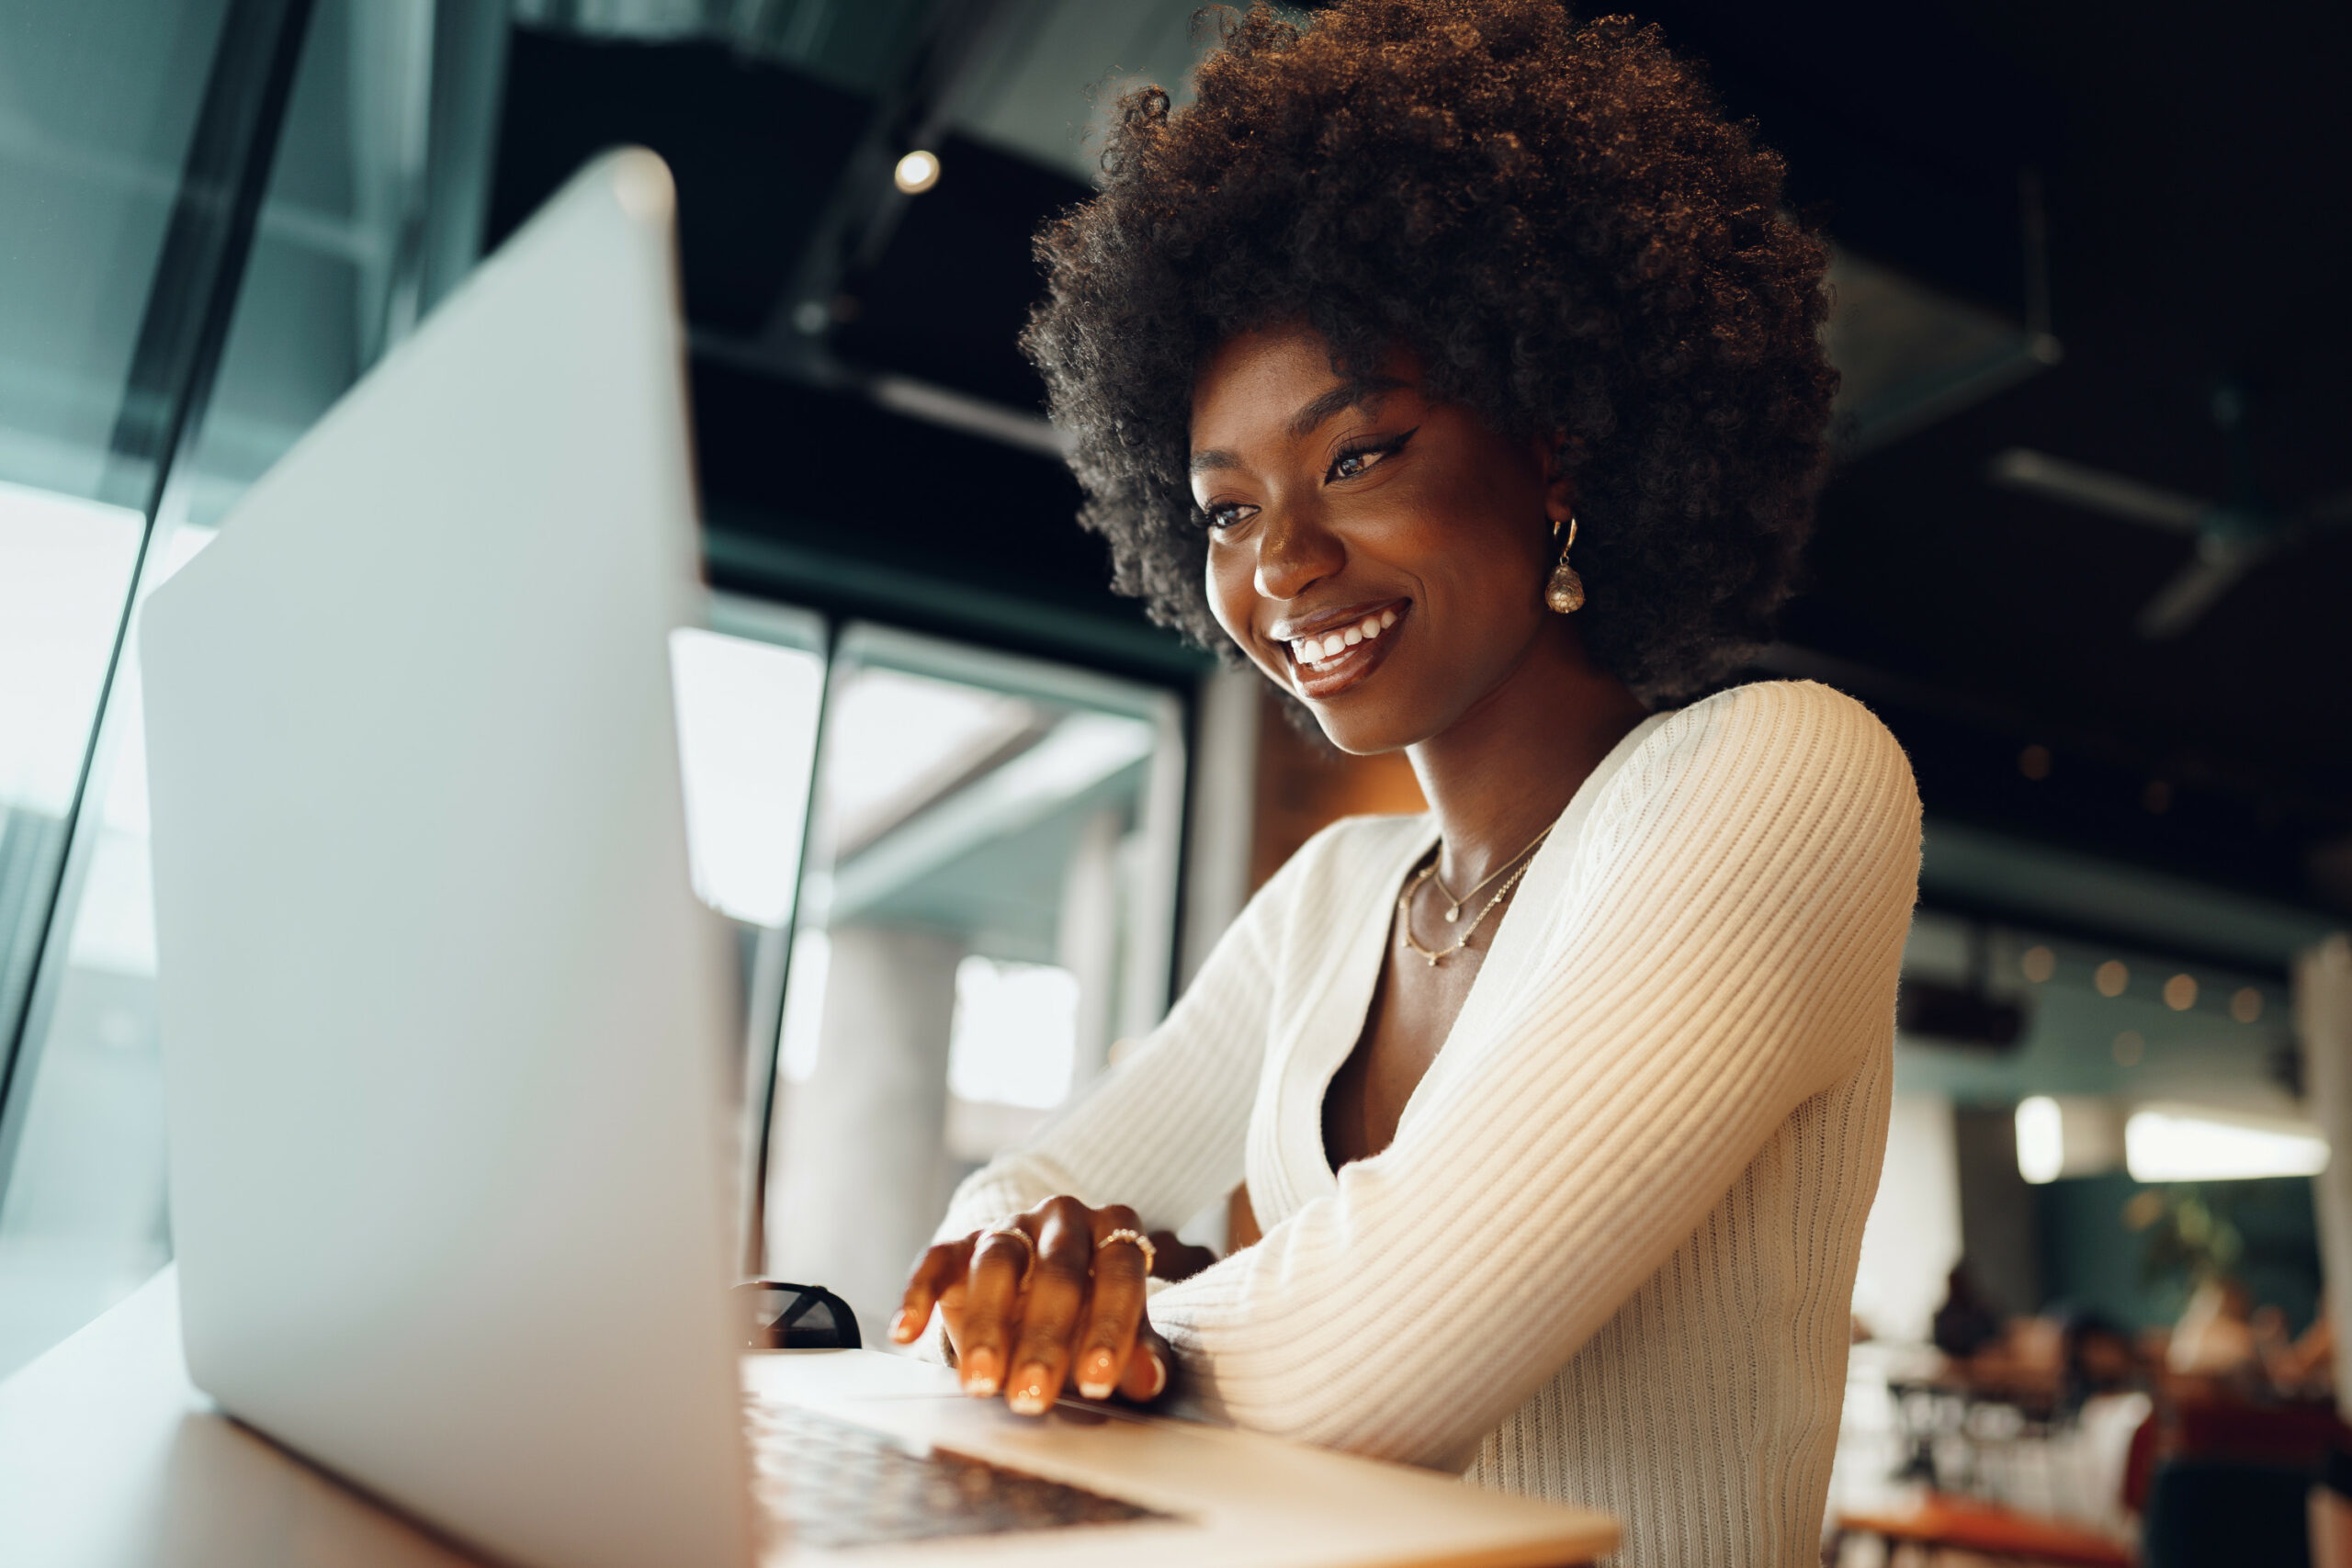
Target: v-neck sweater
x,y
1609,1258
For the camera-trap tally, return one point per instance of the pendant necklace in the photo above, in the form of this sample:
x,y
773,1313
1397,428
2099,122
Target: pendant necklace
x,y
1431,957
1454,907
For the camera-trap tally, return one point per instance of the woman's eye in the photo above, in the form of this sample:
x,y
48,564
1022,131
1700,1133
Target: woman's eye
x,y
1225,514
1352,463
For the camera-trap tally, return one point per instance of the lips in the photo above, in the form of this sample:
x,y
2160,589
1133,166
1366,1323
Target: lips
x,y
1333,652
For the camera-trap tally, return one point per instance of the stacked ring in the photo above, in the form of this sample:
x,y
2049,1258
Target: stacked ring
x,y
1142,1244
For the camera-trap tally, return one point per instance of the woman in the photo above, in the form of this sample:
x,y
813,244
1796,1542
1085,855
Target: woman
x,y
1455,364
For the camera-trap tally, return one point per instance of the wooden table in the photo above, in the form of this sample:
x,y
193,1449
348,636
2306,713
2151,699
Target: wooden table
x,y
1939,1521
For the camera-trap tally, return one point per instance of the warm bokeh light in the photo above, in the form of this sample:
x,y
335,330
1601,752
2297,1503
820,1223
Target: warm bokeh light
x,y
2038,963
2246,1005
917,172
2034,762
2180,992
2110,977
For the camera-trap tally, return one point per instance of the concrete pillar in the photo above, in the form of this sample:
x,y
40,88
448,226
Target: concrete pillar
x,y
860,1168
1087,940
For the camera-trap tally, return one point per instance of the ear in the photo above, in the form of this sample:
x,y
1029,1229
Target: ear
x,y
1556,458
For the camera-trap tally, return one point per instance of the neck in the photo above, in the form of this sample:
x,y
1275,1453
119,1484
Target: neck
x,y
1500,773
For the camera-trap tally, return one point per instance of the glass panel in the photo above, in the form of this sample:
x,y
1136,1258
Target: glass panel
x,y
98,105
989,908
82,1221
749,690
82,1213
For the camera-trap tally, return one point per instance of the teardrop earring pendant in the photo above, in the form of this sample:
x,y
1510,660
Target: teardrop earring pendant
x,y
1564,591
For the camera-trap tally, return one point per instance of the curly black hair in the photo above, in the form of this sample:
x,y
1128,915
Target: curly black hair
x,y
1555,217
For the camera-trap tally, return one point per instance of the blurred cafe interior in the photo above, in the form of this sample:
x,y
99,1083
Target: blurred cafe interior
x,y
973,821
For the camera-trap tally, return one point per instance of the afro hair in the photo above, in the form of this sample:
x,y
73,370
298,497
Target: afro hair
x,y
1555,217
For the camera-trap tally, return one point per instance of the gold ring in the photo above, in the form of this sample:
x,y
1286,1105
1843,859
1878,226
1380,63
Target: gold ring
x,y
1142,1242
1029,1248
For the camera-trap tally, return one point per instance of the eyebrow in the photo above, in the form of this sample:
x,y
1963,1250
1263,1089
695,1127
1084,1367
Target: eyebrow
x,y
1357,394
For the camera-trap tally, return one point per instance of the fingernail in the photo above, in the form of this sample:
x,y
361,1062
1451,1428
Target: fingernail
x,y
1096,1381
979,1375
1029,1396
903,1327
1159,1375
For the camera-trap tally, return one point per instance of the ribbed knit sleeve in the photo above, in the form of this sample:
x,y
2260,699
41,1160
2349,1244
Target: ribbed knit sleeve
x,y
1727,948
1163,1131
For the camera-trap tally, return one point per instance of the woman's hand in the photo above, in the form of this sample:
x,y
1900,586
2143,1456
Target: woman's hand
x,y
1048,1298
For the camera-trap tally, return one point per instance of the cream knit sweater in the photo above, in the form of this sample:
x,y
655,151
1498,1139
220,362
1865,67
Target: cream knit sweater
x,y
1609,1258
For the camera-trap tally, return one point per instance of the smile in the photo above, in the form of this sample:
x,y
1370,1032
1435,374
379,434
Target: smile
x,y
1333,655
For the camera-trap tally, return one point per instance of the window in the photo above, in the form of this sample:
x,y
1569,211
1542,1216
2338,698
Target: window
x,y
988,909
106,98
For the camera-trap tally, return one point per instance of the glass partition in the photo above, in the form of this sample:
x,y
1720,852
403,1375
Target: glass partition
x,y
749,691
98,143
100,110
987,913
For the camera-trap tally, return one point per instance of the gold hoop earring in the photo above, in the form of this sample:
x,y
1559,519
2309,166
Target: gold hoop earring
x,y
1564,591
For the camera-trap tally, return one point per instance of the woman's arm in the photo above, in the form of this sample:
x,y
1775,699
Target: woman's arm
x,y
1727,949
1159,1139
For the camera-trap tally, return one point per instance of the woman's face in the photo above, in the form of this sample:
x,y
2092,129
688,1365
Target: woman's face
x,y
1405,528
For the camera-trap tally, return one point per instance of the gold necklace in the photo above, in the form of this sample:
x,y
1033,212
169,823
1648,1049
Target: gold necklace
x,y
1454,907
1405,911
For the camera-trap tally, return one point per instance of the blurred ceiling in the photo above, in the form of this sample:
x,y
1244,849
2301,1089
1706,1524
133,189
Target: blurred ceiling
x,y
2065,230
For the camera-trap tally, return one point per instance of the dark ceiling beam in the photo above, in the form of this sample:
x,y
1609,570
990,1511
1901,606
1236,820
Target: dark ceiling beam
x,y
864,209
812,365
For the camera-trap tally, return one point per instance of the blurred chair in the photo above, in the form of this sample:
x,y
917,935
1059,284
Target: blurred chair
x,y
2226,1514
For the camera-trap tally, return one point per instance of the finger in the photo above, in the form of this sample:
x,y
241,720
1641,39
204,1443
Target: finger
x,y
1146,1377
1056,1306
1115,1308
933,1272
951,1320
991,1308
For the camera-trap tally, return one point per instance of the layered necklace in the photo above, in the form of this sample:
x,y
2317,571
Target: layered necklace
x,y
1516,866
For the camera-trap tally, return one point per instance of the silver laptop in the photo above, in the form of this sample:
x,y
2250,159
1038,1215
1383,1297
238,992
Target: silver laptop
x,y
445,1028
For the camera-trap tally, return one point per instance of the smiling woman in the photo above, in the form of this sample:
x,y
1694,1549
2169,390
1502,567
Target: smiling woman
x,y
1453,365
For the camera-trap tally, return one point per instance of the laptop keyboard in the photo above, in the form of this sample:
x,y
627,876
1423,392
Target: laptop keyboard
x,y
833,1485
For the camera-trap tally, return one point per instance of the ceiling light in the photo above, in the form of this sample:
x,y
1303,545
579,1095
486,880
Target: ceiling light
x,y
2038,963
2246,1005
2186,1144
917,172
2180,992
2111,977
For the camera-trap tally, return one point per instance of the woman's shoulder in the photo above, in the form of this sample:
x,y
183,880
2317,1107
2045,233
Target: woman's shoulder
x,y
1797,749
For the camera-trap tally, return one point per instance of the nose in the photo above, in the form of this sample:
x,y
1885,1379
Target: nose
x,y
1294,553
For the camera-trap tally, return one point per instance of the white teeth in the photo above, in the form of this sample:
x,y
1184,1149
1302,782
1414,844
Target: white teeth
x,y
1371,626
1352,635
1333,645
1388,619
